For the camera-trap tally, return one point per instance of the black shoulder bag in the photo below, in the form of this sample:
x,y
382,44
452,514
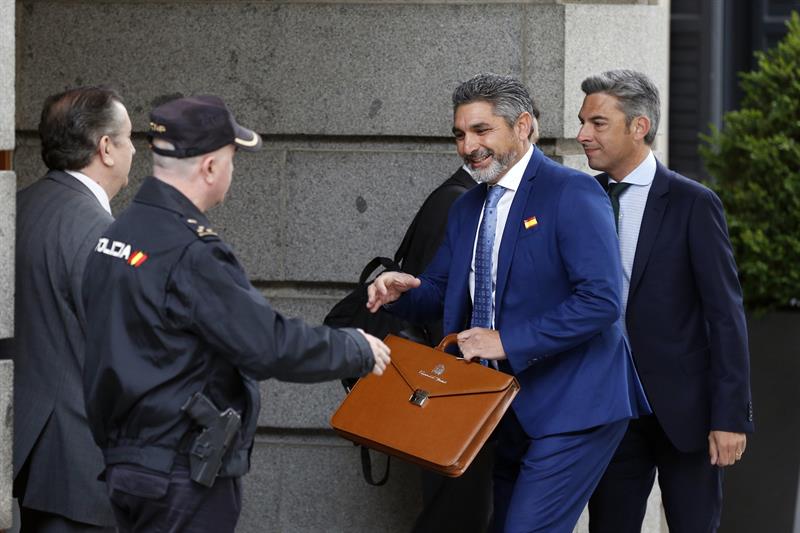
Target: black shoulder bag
x,y
351,312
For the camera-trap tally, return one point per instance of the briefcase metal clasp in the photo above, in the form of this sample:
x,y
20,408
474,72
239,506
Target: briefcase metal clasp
x,y
419,397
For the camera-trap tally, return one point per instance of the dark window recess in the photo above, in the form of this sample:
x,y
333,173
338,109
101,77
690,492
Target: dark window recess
x,y
746,26
688,85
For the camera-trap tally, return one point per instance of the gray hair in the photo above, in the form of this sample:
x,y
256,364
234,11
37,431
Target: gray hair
x,y
507,95
637,95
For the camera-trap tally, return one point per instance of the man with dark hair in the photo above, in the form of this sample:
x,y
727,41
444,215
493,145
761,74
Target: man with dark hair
x,y
529,276
464,503
86,145
682,308
170,381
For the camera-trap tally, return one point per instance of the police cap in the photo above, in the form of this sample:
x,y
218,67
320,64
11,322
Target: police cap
x,y
198,125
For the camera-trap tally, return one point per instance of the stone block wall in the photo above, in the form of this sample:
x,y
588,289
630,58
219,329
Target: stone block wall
x,y
353,100
6,436
7,225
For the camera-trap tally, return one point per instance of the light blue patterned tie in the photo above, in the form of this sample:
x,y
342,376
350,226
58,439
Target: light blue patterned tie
x,y
482,299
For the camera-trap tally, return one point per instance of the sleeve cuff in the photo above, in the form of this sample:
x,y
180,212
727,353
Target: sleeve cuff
x,y
363,349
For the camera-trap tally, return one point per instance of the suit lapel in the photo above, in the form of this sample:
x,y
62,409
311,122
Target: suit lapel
x,y
657,201
472,212
513,224
461,259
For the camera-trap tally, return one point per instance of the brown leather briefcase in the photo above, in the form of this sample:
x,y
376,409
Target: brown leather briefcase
x,y
429,407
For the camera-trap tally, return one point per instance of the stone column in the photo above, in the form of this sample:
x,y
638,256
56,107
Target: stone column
x,y
354,101
7,225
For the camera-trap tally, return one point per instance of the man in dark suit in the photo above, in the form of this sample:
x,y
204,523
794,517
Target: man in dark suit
x,y
684,318
86,145
529,275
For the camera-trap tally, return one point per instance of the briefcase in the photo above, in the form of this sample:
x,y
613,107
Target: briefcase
x,y
429,407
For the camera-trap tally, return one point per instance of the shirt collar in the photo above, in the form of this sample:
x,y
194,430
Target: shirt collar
x,y
513,177
93,187
644,173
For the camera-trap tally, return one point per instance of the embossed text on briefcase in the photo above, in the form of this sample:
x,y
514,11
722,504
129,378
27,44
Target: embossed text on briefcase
x,y
428,408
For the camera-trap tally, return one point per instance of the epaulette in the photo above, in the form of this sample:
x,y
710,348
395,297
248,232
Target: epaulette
x,y
203,232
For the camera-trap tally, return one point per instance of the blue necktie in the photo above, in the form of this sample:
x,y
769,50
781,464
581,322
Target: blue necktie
x,y
482,299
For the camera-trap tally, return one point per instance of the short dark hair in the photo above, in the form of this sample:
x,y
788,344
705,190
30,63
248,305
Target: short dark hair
x,y
506,94
637,95
72,124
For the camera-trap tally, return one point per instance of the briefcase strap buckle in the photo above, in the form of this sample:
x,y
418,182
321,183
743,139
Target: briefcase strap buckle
x,y
419,397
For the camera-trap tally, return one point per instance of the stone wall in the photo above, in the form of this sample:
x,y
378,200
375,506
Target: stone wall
x,y
6,435
353,99
7,217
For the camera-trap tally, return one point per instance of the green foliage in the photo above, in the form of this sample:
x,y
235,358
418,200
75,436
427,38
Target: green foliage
x,y
755,162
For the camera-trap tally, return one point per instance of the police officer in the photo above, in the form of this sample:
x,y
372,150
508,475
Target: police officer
x,y
178,336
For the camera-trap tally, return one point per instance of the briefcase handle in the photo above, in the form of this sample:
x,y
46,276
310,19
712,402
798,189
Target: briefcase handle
x,y
448,341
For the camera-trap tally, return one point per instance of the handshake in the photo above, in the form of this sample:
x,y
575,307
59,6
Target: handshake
x,y
385,289
346,314
474,343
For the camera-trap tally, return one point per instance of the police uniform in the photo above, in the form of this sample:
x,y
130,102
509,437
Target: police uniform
x,y
172,313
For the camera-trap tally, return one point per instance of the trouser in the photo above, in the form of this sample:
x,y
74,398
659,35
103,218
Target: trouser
x,y
691,487
543,484
34,521
144,500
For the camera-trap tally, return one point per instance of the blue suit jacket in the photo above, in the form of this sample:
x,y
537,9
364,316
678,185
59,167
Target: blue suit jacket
x,y
557,301
684,316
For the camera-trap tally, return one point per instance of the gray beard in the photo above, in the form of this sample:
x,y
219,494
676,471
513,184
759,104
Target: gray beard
x,y
493,172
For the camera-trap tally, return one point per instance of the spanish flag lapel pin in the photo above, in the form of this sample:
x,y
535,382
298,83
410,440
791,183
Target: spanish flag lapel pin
x,y
530,222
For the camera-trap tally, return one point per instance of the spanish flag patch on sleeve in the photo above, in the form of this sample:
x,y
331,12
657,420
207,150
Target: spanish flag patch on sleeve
x,y
137,259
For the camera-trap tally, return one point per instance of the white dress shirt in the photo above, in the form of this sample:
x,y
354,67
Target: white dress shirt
x,y
93,186
510,181
631,210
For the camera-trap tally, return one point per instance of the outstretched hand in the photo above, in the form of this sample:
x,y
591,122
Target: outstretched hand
x,y
380,352
388,287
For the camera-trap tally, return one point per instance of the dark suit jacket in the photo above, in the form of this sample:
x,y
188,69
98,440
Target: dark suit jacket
x,y
684,316
557,299
58,222
427,232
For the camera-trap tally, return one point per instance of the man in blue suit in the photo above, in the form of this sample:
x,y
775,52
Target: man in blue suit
x,y
683,315
530,277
